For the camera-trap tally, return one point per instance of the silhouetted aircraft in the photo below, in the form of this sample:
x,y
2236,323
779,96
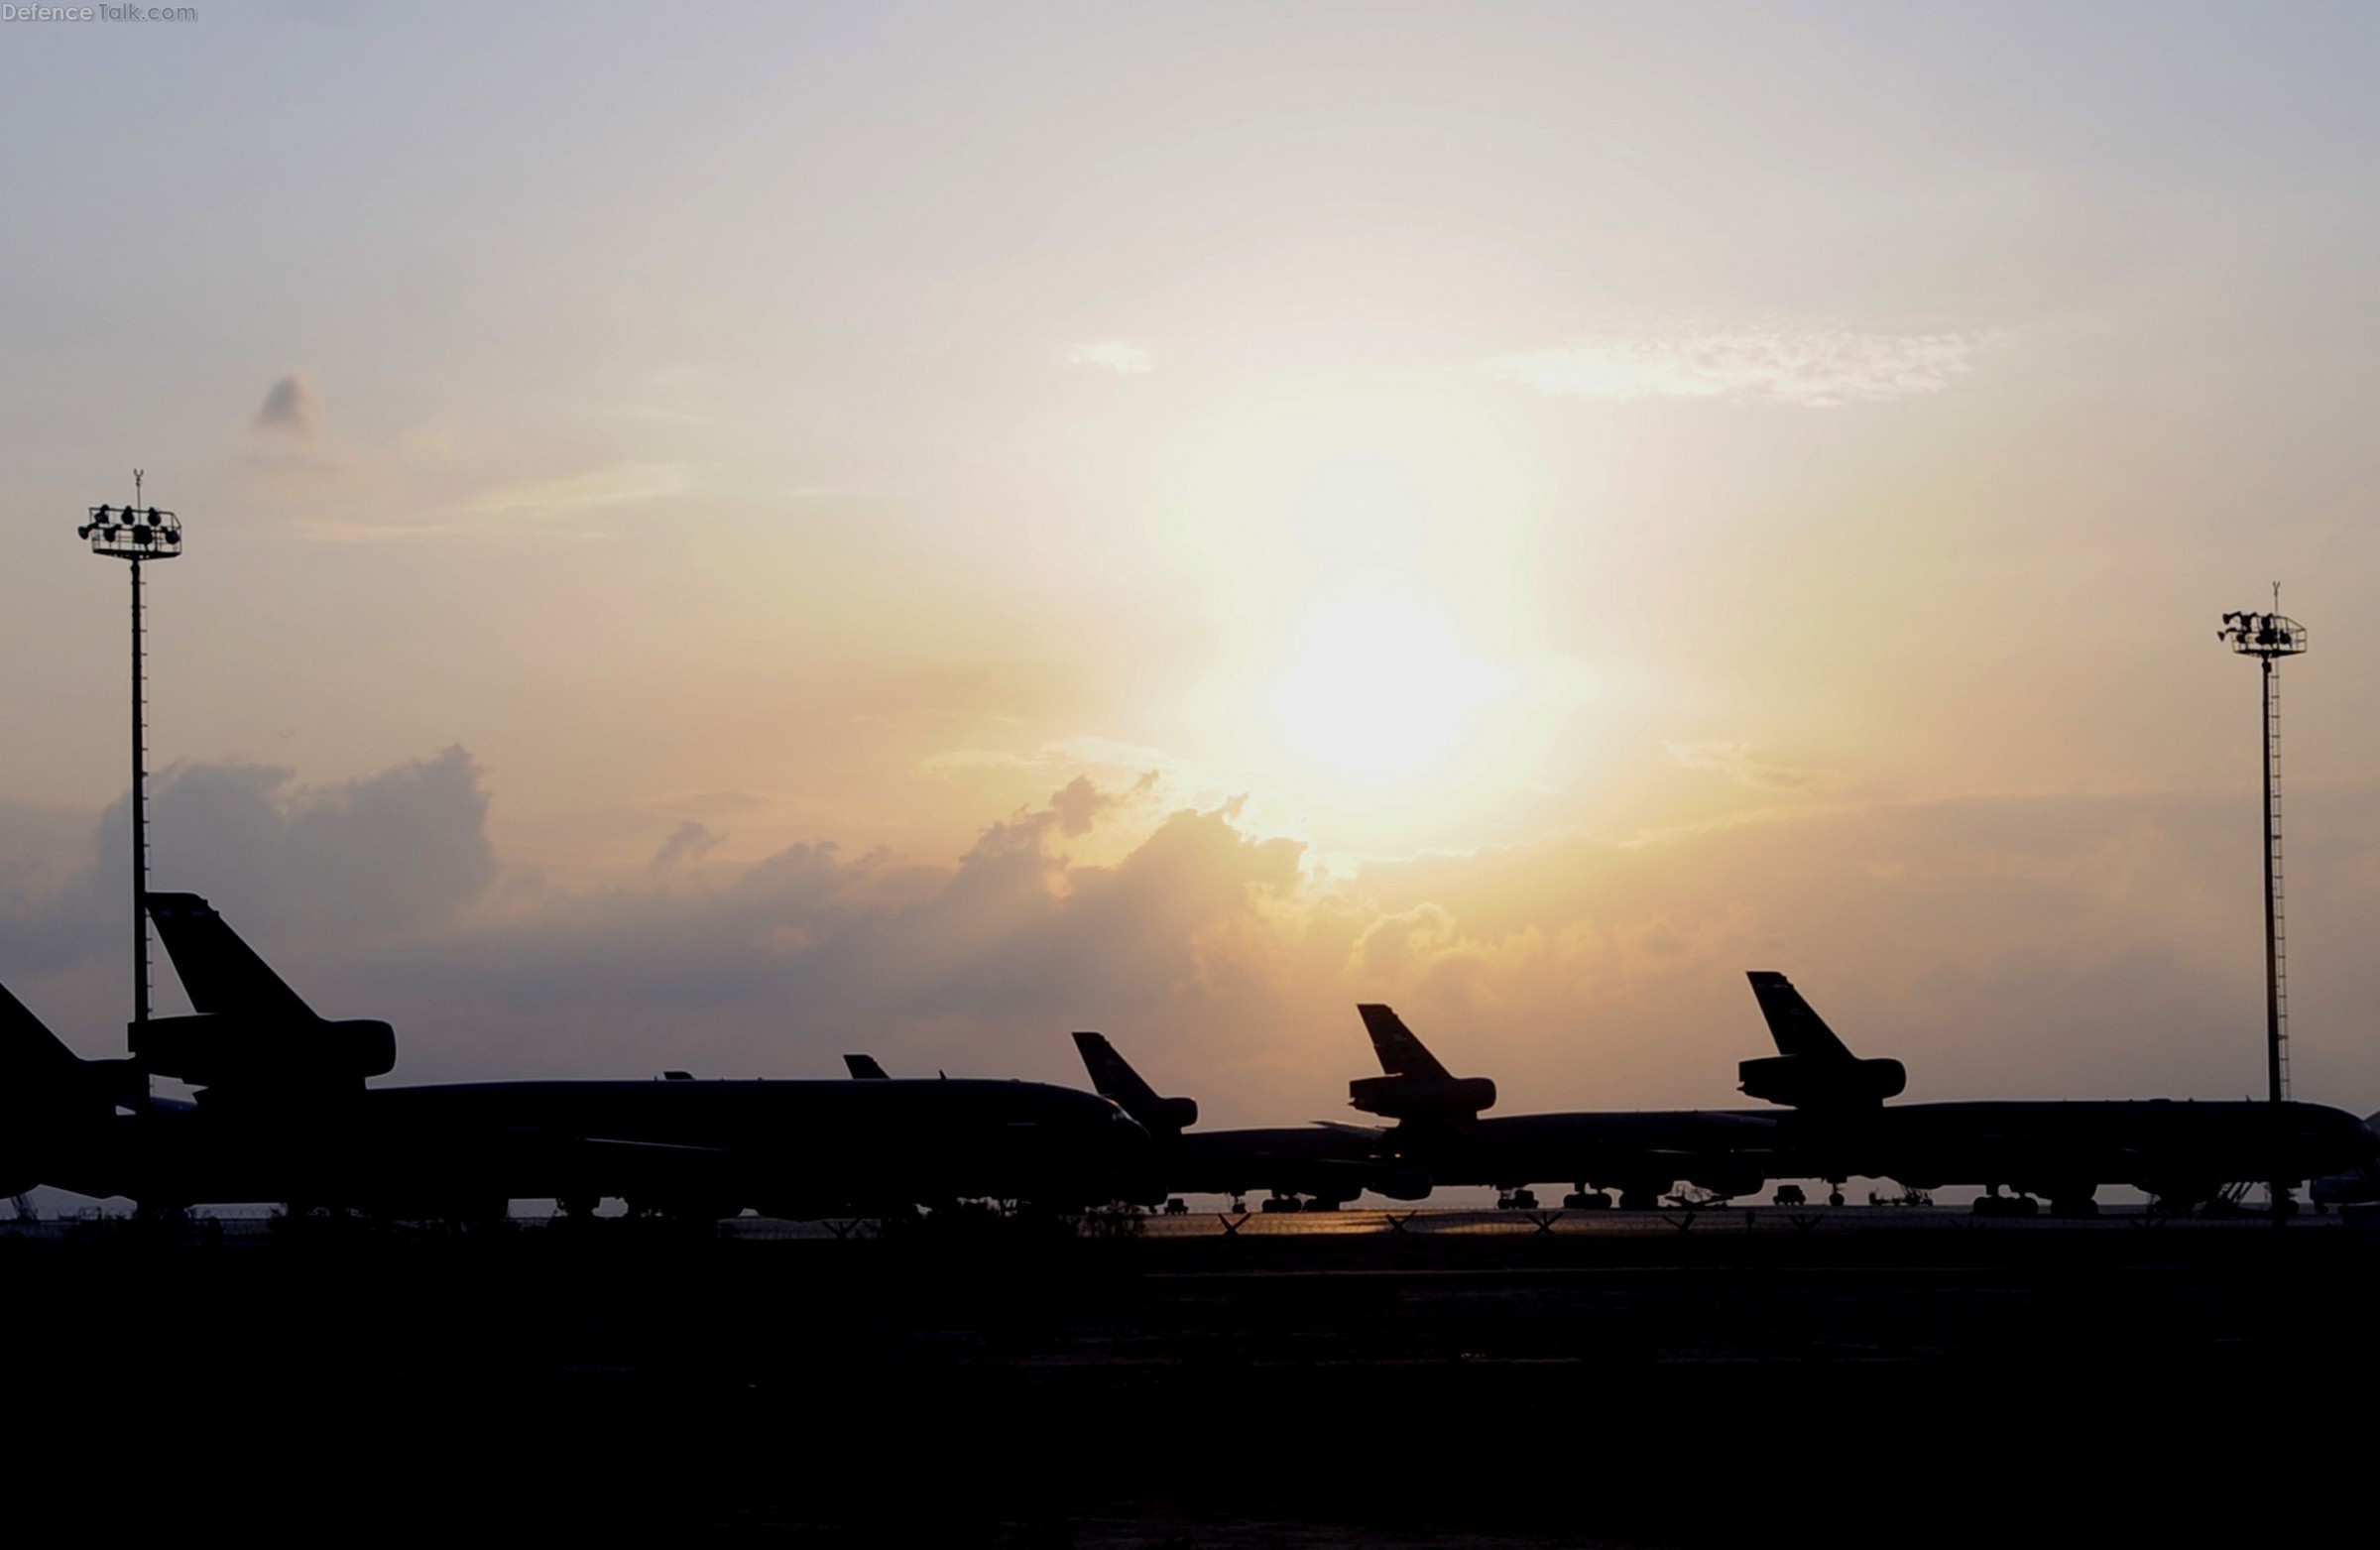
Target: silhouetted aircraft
x,y
283,1115
2181,1152
53,1104
1327,1163
1642,1153
2355,1187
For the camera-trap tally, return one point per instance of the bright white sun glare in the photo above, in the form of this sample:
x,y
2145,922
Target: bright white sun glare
x,y
1379,689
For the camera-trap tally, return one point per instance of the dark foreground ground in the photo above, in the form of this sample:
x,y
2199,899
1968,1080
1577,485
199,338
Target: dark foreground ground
x,y
1892,1381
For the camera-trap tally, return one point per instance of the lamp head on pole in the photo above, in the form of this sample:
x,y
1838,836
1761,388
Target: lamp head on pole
x,y
132,533
2265,636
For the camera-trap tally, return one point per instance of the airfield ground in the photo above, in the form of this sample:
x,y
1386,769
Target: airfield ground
x,y
1858,1375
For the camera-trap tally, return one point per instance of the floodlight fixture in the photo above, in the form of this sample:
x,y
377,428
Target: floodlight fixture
x,y
2266,636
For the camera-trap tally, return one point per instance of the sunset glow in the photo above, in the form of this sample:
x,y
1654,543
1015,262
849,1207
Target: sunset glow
x,y
1381,691
930,527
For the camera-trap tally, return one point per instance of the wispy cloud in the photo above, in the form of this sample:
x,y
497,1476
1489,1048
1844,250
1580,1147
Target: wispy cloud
x,y
689,842
578,492
1811,368
290,440
1121,356
292,408
326,530
1742,763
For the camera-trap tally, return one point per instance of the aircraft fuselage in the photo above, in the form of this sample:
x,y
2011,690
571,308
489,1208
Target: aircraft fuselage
x,y
784,1148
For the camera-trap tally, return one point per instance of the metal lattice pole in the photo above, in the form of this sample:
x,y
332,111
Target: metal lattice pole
x,y
2276,928
2268,638
135,534
140,816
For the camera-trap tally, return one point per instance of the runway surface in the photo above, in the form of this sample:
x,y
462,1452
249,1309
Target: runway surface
x,y
1881,1376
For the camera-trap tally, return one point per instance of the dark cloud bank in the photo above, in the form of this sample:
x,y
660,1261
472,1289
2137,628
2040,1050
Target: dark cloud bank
x,y
2054,946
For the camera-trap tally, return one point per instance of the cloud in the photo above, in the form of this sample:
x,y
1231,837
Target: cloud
x,y
1742,763
398,852
2061,945
1119,356
291,409
1078,805
1810,368
579,492
689,841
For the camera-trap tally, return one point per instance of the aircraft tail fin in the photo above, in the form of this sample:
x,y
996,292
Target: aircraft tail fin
x,y
1812,1068
221,972
47,1091
32,1057
248,1029
1401,1054
1792,1022
864,1068
1112,1077
35,1073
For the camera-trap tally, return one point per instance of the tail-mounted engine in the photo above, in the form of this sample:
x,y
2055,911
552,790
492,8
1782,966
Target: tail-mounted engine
x,y
1810,1081
230,1049
1422,1097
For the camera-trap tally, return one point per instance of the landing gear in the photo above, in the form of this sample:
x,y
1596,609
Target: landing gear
x,y
1276,1201
682,1211
1586,1199
1516,1200
1834,1195
1177,1207
1991,1203
1789,1195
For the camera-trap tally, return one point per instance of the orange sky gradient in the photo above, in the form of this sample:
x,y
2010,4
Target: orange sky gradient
x,y
922,528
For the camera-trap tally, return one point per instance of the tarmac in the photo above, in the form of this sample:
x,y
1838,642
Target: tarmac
x,y
1873,1375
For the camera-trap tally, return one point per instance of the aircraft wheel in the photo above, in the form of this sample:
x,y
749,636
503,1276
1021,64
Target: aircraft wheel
x,y
1834,1197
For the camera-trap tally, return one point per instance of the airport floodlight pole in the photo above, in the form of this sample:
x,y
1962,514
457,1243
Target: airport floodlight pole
x,y
2268,638
136,535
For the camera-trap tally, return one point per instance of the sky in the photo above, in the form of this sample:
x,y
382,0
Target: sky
x,y
721,537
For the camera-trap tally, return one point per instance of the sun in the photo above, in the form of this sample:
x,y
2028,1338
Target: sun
x,y
1380,689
